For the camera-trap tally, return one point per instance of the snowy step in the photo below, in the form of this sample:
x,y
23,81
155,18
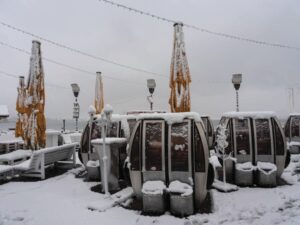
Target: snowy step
x,y
111,201
224,187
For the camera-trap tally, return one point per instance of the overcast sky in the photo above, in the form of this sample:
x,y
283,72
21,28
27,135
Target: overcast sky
x,y
122,36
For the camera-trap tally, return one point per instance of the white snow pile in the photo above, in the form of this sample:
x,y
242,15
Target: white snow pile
x,y
109,140
254,115
153,187
178,187
224,187
18,154
4,110
247,166
293,143
92,163
214,161
266,167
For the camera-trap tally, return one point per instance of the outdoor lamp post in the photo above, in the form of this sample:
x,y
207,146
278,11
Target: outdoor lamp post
x,y
151,86
104,122
76,108
236,81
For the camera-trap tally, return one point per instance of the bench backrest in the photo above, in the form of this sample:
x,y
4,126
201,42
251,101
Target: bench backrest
x,y
52,154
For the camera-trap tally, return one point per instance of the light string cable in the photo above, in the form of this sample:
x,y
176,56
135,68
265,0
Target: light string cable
x,y
204,30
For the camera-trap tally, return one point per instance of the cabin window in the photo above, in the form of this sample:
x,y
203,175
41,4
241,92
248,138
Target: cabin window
x,y
180,146
242,137
153,146
112,129
287,128
229,137
199,151
279,144
295,126
135,150
263,137
131,124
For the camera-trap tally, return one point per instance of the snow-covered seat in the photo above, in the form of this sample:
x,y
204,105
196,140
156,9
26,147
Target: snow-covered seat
x,y
153,197
294,147
266,174
5,171
181,198
41,159
15,156
244,174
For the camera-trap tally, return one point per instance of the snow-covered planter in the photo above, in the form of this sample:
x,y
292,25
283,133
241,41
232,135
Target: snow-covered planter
x,y
93,170
244,174
266,174
181,198
294,147
153,197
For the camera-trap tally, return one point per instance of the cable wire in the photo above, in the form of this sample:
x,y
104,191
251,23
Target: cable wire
x,y
216,33
79,51
67,66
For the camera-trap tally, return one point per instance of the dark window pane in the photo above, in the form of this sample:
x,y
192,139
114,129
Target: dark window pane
x,y
263,137
229,137
287,128
112,129
279,144
135,150
242,137
179,147
295,126
153,147
209,128
199,152
131,124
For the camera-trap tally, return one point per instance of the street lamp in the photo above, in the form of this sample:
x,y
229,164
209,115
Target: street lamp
x,y
151,86
236,81
104,122
76,108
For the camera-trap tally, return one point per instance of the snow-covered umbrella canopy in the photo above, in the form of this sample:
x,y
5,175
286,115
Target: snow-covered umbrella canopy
x,y
99,99
36,126
180,78
21,108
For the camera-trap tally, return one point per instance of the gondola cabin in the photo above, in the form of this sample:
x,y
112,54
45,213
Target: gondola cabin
x,y
120,126
257,145
292,132
210,132
168,156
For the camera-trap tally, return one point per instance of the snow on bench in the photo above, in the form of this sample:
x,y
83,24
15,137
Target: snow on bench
x,y
11,157
41,159
5,171
153,187
266,167
177,187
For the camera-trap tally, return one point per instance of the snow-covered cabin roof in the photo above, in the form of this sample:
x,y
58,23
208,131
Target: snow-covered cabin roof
x,y
136,112
254,115
4,111
171,118
117,117
294,114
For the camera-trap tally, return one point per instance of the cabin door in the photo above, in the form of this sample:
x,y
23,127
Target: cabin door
x,y
264,150
242,140
153,150
179,152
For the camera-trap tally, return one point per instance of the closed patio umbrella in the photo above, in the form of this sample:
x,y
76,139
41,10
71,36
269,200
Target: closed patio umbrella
x,y
99,99
180,78
36,126
21,109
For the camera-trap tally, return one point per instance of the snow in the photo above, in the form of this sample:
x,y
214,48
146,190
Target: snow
x,y
266,167
153,187
93,163
215,161
171,118
18,154
255,115
5,168
4,111
247,166
293,143
91,110
109,140
224,187
181,188
294,114
52,132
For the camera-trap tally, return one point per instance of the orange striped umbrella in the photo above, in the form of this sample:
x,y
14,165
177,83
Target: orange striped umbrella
x,y
99,98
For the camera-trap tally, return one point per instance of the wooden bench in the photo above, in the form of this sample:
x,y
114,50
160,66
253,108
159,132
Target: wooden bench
x,y
43,158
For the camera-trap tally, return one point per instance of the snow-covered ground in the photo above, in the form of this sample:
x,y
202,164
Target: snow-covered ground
x,y
64,200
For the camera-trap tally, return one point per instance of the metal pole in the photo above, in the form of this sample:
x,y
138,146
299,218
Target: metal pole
x,y
151,103
104,160
237,100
